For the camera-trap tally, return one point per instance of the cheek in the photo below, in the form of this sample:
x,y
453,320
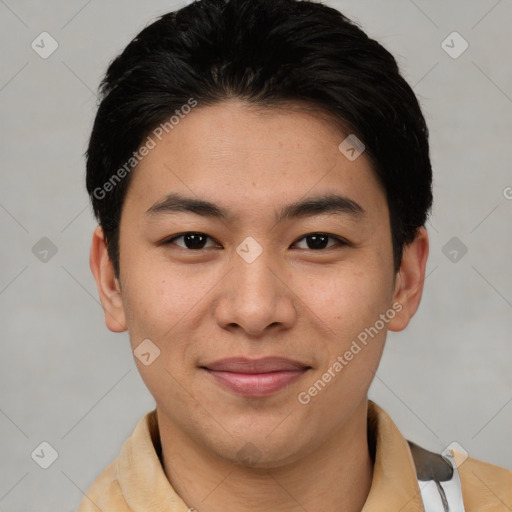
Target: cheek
x,y
349,350
166,305
157,297
345,300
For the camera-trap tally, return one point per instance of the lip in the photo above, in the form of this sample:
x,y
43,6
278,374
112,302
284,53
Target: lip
x,y
256,377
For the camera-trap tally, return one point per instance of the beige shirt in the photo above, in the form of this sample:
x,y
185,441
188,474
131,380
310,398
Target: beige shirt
x,y
136,482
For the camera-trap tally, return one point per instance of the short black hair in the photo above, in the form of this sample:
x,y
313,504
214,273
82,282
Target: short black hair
x,y
269,53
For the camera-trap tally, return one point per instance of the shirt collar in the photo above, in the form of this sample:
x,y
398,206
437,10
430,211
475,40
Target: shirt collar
x,y
394,485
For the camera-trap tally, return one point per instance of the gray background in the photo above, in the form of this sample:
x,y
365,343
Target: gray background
x,y
67,380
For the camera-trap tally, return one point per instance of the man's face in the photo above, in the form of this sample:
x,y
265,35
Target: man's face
x,y
256,284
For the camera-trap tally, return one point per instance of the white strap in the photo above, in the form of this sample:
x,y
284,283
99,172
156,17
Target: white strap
x,y
443,496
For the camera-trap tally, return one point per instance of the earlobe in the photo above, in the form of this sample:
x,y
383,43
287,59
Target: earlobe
x,y
108,286
410,280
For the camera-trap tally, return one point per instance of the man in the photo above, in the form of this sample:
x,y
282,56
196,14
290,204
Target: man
x,y
260,172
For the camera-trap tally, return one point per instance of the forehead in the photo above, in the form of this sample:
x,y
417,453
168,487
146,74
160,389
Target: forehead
x,y
232,153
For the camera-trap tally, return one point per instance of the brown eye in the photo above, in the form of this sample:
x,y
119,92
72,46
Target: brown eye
x,y
319,241
191,240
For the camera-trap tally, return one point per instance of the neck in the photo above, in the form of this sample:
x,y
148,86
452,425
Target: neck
x,y
337,476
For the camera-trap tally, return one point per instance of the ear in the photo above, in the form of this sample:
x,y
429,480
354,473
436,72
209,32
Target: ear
x,y
409,280
108,286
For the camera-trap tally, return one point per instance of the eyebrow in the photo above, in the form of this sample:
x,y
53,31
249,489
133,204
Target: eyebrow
x,y
330,204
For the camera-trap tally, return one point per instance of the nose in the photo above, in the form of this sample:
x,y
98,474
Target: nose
x,y
255,297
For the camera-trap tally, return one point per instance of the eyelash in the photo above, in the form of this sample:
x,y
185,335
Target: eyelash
x,y
340,241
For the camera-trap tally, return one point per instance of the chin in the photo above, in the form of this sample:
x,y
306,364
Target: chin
x,y
259,450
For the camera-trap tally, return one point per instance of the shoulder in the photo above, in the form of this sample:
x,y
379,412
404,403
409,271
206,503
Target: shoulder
x,y
484,485
104,493
124,482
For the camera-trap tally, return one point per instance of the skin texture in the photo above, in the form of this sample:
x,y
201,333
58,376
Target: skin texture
x,y
199,306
